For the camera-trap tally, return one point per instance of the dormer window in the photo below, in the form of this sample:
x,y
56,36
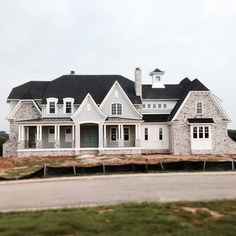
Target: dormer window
x,y
199,108
116,109
68,105
52,105
158,78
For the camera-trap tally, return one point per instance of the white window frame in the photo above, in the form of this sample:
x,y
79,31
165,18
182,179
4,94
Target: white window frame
x,y
144,106
159,106
116,109
196,107
113,128
196,130
128,134
65,101
52,100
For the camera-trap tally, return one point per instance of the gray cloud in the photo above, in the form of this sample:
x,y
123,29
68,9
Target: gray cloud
x,y
41,40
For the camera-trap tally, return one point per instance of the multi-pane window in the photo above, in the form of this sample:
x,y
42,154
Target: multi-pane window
x,y
126,134
199,108
113,134
160,134
154,105
144,105
148,105
146,133
68,107
52,107
206,132
201,132
116,109
159,105
119,109
165,105
195,132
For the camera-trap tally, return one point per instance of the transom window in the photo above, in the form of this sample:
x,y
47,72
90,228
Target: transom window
x,y
116,109
68,107
113,134
126,133
199,108
201,132
52,107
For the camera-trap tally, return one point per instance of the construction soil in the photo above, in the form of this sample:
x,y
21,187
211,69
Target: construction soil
x,y
88,161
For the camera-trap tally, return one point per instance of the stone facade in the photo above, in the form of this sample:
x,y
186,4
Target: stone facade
x,y
180,129
26,111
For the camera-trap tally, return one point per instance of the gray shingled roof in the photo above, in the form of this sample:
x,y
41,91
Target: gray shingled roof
x,y
76,86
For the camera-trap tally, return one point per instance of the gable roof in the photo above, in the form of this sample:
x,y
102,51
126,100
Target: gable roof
x,y
75,86
186,87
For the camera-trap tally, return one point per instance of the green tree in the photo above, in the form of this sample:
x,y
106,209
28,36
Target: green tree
x,y
3,138
232,134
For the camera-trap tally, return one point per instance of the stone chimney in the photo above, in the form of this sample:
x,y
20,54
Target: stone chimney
x,y
138,82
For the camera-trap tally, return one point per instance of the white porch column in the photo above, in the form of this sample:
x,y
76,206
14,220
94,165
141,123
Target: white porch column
x,y
105,135
19,133
100,135
137,135
73,136
122,132
27,133
39,136
55,132
57,136
77,135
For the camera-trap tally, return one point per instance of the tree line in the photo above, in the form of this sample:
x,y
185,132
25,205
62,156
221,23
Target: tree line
x,y
3,138
232,134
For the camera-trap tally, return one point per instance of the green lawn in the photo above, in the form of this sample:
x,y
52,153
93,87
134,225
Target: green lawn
x,y
199,218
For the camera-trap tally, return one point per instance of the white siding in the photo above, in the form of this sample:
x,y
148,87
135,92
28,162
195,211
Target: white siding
x,y
153,141
170,105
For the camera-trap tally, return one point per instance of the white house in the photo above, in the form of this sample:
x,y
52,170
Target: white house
x,y
110,114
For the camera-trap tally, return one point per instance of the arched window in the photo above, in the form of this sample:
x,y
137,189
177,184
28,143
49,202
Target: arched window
x,y
116,109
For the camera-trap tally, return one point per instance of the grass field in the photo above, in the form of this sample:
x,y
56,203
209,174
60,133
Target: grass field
x,y
191,218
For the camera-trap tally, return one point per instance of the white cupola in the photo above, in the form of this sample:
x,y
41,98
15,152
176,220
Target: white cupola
x,y
156,78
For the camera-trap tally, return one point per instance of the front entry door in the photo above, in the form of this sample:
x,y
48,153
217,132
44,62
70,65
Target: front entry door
x,y
89,136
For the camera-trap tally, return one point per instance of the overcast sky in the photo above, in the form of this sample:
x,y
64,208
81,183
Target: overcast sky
x,y
44,39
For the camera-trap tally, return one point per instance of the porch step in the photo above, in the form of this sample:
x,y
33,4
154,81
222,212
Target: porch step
x,y
88,153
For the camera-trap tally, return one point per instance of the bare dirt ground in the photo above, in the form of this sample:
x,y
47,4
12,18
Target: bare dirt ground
x,y
15,167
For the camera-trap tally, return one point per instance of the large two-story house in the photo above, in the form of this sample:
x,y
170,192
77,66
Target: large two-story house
x,y
110,114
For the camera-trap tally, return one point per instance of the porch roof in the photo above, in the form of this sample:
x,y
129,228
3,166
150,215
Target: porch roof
x,y
200,120
47,121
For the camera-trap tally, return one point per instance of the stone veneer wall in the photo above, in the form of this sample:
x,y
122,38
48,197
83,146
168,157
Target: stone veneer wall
x,y
26,111
52,153
180,130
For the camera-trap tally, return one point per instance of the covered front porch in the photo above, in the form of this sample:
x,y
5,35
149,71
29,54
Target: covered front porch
x,y
69,138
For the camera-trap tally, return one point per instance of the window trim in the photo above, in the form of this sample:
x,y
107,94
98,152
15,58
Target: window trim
x,y
196,107
114,107
196,130
66,100
116,129
55,101
128,134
